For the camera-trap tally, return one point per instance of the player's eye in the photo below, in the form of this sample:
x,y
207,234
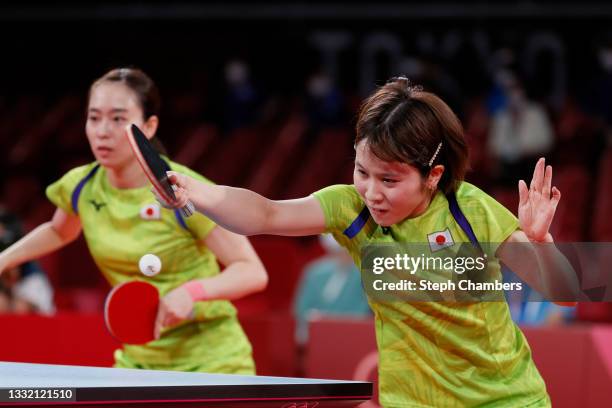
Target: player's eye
x,y
119,119
389,181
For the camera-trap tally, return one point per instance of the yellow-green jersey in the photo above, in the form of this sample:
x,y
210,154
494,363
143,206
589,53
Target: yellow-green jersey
x,y
441,354
122,225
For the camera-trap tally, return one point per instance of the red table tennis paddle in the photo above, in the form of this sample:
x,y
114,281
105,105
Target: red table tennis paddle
x,y
130,311
154,166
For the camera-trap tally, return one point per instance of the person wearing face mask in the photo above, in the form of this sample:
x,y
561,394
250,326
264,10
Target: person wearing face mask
x,y
24,288
109,200
330,286
243,99
410,163
595,94
520,132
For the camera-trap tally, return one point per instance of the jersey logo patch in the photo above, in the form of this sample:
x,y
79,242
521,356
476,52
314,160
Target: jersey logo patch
x,y
150,212
97,206
440,239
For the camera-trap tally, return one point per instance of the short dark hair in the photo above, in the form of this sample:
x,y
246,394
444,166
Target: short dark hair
x,y
404,123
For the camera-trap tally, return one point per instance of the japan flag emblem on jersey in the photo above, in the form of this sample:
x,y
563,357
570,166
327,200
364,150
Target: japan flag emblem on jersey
x,y
440,240
150,212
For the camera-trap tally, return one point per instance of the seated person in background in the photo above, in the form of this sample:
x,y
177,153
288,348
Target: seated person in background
x,y
25,288
330,285
520,133
529,308
540,312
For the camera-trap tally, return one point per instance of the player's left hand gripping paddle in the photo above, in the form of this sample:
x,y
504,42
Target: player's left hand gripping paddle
x,y
130,311
154,166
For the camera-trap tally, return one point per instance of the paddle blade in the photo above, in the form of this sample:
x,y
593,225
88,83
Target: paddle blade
x,y
154,166
130,311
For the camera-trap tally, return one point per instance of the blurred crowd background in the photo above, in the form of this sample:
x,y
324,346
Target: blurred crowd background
x,y
264,94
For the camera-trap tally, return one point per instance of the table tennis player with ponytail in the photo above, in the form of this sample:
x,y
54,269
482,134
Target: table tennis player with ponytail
x,y
110,201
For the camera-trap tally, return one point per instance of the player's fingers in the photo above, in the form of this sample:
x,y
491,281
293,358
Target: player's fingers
x,y
176,178
547,182
171,317
556,197
523,193
538,175
181,196
160,200
182,181
159,320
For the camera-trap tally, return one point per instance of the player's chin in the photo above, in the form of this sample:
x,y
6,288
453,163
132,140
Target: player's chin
x,y
382,219
111,162
105,159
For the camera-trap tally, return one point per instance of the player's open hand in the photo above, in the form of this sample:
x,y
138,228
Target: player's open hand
x,y
537,205
175,307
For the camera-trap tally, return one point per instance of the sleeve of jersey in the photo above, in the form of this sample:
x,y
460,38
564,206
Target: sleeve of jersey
x,y
341,205
498,221
198,224
60,192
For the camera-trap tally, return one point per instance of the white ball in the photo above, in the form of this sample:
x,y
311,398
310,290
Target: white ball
x,y
149,265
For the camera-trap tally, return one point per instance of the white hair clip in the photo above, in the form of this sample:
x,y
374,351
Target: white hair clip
x,y
435,154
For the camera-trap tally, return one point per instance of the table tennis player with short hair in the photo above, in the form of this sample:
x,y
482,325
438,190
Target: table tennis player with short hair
x,y
110,201
410,162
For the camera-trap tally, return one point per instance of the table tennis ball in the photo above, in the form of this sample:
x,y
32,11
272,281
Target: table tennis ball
x,y
149,265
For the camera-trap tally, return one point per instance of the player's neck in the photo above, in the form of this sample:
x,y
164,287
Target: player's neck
x,y
130,176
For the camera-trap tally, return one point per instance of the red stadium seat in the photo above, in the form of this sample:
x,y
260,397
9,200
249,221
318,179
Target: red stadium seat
x,y
284,259
280,256
234,157
570,223
323,164
601,226
274,168
197,144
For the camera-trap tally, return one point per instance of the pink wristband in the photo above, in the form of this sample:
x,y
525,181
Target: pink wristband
x,y
195,290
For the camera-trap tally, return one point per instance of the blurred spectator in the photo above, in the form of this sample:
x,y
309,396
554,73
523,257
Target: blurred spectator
x,y
520,132
242,98
324,102
497,98
529,308
434,76
541,313
596,99
330,285
23,289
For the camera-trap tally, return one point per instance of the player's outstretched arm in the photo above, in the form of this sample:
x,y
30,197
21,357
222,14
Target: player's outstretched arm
x,y
48,237
248,213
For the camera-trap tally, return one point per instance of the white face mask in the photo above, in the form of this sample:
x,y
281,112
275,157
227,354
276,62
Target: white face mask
x,y
605,59
516,98
319,86
236,73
